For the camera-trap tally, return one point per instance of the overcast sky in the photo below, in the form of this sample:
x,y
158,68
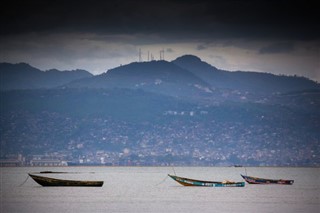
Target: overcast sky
x,y
281,37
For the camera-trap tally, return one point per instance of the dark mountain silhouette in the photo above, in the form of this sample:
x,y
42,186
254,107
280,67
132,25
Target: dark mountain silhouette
x,y
186,76
24,76
156,76
246,81
198,67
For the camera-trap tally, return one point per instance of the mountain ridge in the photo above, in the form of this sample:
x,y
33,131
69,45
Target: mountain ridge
x,y
24,76
189,70
250,81
155,76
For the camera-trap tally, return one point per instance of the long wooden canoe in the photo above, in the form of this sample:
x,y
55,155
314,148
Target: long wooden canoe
x,y
46,181
256,180
192,182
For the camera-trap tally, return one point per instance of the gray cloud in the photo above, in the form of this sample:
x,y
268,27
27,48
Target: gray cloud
x,y
201,47
282,47
169,50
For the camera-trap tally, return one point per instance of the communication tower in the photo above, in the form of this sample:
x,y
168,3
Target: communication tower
x,y
140,55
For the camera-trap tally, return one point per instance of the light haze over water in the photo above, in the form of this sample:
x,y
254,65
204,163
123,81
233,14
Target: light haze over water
x,y
148,189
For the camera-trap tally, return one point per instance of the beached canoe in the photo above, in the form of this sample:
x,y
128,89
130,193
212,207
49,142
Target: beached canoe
x,y
46,181
192,182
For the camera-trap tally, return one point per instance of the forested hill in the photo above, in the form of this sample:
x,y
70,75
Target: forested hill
x,y
184,112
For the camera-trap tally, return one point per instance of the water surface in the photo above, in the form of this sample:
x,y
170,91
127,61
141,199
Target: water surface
x,y
148,189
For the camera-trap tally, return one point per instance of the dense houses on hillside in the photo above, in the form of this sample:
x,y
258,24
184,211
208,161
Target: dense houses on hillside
x,y
180,142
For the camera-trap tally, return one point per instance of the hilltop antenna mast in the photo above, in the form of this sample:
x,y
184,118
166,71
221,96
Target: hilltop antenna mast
x,y
162,54
148,56
140,58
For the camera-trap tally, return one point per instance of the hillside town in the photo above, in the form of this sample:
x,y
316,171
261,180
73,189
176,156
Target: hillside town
x,y
184,141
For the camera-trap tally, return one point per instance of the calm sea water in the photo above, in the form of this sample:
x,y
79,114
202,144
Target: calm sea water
x,y
148,189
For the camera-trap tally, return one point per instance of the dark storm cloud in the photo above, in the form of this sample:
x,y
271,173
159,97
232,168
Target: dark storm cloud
x,y
173,19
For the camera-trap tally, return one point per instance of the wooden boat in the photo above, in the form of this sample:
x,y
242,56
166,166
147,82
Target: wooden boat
x,y
46,181
192,182
256,180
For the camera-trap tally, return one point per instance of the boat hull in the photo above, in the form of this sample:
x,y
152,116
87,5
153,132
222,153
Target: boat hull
x,y
192,182
45,181
256,180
